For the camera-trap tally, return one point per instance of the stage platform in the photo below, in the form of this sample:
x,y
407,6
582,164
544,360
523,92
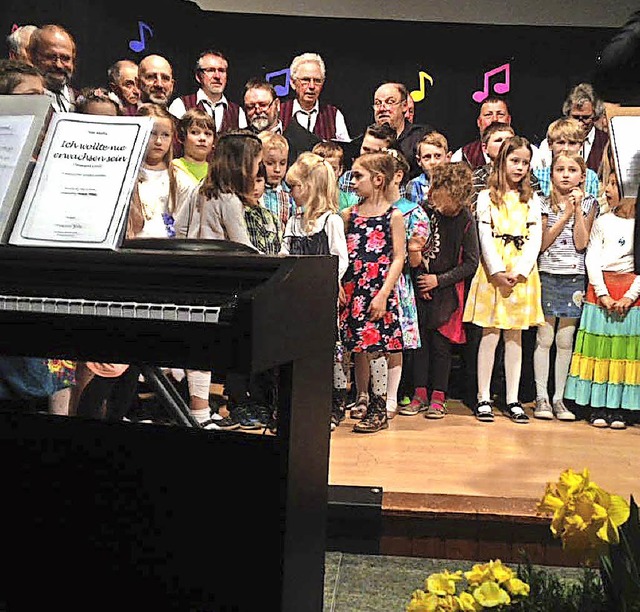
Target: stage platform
x,y
460,489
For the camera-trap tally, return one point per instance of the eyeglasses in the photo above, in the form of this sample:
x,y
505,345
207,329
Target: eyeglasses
x,y
161,135
309,80
52,58
387,102
210,71
583,118
261,106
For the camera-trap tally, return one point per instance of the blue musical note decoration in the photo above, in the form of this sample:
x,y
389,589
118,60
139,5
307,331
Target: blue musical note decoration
x,y
139,45
281,90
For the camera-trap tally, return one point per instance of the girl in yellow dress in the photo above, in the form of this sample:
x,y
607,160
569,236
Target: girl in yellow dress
x,y
504,296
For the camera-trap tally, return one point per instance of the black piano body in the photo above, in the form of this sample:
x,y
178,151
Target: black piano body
x,y
117,515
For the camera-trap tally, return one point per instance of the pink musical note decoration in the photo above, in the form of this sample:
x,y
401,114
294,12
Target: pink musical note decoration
x,y
281,90
14,27
499,88
139,45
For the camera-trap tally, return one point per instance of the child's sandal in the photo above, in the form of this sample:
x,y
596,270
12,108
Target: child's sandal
x,y
517,413
484,411
360,409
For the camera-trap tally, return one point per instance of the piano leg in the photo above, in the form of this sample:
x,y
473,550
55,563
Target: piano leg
x,y
168,395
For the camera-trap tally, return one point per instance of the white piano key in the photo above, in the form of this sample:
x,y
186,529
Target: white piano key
x,y
75,307
184,313
170,312
196,314
212,315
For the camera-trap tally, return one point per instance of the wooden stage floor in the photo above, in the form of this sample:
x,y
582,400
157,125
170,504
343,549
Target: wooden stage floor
x,y
459,468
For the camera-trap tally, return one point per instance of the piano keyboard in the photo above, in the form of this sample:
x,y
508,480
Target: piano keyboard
x,y
120,310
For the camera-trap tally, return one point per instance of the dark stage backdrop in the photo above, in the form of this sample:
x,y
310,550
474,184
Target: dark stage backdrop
x,y
543,62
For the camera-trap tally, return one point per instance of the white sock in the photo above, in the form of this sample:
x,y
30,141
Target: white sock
x,y
544,340
512,362
201,415
486,357
564,350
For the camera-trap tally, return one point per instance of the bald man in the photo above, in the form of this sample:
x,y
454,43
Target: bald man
x,y
155,80
53,51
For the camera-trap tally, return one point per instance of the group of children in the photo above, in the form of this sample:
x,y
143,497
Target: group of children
x,y
490,253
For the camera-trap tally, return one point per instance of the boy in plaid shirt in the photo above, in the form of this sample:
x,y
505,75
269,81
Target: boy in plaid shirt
x,y
263,226
277,197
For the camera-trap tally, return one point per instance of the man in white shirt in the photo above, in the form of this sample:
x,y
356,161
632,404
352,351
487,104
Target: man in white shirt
x,y
211,74
584,105
53,51
326,121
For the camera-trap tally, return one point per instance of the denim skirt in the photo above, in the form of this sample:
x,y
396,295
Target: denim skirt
x,y
562,294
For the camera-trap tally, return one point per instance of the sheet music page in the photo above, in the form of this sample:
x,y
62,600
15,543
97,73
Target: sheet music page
x,y
625,143
14,131
82,182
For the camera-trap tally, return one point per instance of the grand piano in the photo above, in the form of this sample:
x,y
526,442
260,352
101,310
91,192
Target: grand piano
x,y
117,516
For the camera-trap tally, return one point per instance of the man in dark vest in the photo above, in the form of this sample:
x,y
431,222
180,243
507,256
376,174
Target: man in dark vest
x,y
307,79
211,73
262,107
494,108
583,104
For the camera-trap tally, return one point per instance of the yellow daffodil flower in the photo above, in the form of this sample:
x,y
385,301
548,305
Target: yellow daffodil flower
x,y
467,603
517,587
443,583
490,595
585,516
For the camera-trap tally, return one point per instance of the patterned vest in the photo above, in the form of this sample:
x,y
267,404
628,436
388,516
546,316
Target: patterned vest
x,y
229,117
325,127
597,149
472,154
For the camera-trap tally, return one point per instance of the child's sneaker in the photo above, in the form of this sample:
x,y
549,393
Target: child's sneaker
x,y
436,410
405,400
562,412
543,409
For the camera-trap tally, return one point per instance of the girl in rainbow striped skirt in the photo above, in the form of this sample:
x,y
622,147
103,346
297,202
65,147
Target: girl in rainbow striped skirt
x,y
605,367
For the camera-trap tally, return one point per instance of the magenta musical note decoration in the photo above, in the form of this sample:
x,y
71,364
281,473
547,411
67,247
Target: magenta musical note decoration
x,y
281,90
139,45
419,94
499,88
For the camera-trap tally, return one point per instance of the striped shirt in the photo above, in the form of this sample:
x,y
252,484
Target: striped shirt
x,y
591,182
562,257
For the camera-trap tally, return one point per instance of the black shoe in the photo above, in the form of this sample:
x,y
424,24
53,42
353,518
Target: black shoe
x,y
516,413
617,420
245,414
484,411
599,418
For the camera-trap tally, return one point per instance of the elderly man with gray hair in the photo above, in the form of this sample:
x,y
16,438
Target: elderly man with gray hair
x,y
307,79
583,104
18,43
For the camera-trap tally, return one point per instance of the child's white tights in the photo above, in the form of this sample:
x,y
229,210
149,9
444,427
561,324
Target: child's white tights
x,y
512,361
564,348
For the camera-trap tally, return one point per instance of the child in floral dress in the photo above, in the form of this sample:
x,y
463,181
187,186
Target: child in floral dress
x,y
370,319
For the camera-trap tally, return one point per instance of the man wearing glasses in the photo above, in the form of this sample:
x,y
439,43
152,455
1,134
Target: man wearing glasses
x,y
585,106
262,107
211,74
389,106
307,79
52,50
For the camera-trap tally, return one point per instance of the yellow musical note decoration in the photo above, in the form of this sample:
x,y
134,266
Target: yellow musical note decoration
x,y
419,94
